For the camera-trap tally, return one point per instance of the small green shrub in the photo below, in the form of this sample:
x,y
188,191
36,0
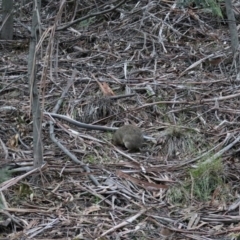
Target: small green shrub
x,y
211,5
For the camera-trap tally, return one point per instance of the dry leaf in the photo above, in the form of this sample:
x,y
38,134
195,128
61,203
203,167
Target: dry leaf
x,y
106,90
13,141
92,209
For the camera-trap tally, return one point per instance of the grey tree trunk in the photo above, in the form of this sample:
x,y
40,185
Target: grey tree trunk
x,y
34,96
7,29
232,25
234,38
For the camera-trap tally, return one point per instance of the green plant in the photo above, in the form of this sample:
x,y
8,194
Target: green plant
x,y
234,236
1,205
178,195
211,5
87,22
25,190
91,159
97,200
5,174
206,178
201,184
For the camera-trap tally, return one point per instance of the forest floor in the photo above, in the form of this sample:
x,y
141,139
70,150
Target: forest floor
x,y
167,70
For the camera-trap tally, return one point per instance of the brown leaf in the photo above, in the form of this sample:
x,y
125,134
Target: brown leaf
x,y
106,90
13,141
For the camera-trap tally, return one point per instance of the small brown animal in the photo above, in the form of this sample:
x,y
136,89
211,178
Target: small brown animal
x,y
129,136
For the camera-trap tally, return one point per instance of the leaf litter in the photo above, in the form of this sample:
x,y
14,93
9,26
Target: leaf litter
x,y
149,63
